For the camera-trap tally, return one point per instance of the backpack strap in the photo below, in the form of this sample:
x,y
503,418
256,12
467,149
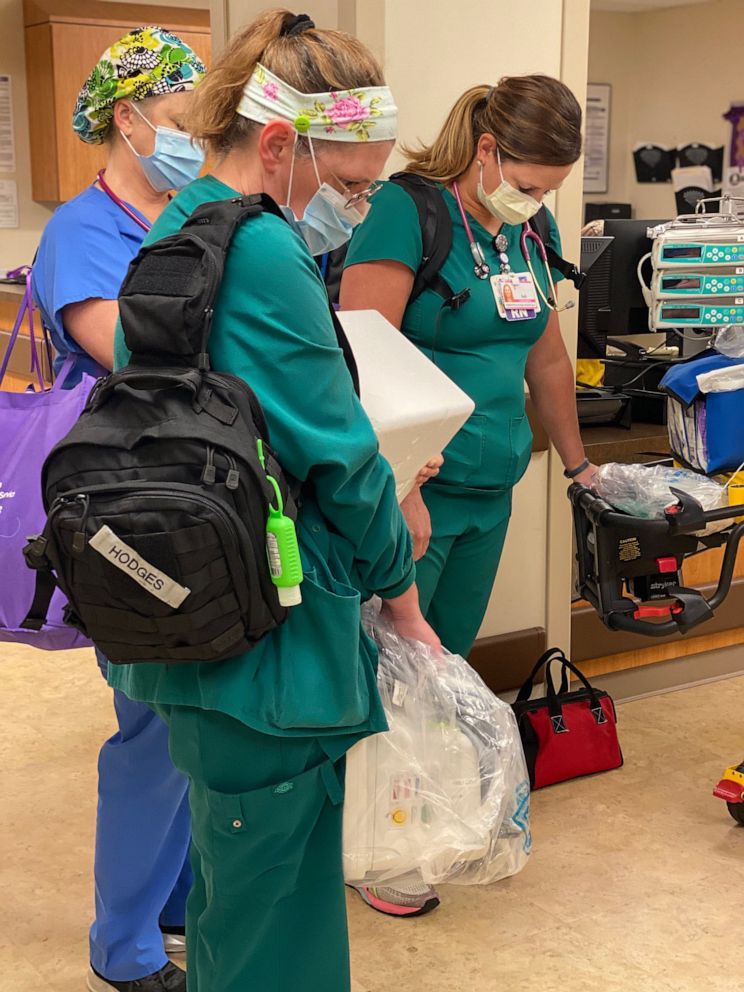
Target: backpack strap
x,y
436,235
163,273
540,224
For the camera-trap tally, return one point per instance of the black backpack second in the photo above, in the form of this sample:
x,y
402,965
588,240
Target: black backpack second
x,y
158,498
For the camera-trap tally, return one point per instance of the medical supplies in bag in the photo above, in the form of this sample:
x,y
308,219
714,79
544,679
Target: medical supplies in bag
x,y
446,789
706,412
646,490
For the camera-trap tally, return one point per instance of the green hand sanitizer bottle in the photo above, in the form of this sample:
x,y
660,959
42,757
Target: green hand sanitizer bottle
x,y
282,548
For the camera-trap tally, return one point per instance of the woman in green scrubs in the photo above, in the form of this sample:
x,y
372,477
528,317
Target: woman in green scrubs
x,y
303,116
501,151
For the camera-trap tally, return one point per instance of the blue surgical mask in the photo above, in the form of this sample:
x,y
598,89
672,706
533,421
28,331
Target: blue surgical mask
x,y
327,222
175,161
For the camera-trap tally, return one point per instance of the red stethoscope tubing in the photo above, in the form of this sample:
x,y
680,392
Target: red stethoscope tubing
x,y
120,203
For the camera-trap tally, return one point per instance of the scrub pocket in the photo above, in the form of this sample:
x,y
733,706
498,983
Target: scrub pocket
x,y
463,456
520,435
487,456
316,679
266,843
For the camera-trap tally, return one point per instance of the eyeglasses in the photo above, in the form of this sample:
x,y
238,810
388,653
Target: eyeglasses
x,y
362,196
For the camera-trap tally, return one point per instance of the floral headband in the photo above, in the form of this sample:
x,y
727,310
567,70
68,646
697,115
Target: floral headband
x,y
345,115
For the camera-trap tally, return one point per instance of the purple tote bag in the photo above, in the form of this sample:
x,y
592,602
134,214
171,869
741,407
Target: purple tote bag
x,y
31,424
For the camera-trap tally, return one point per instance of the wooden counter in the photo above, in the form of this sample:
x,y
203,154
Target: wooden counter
x,y
642,443
19,375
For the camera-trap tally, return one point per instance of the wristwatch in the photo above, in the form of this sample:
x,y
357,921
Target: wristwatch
x,y
571,473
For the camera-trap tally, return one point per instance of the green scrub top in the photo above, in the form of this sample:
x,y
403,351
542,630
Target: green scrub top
x,y
316,674
479,350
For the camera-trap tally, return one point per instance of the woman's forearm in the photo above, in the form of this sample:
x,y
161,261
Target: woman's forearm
x,y
553,391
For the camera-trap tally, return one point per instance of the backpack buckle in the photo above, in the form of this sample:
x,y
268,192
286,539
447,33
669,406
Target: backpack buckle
x,y
35,552
456,301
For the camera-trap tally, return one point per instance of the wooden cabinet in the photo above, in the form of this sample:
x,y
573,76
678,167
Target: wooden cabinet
x,y
64,40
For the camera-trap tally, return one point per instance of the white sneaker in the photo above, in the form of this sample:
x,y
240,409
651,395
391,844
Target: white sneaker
x,y
174,940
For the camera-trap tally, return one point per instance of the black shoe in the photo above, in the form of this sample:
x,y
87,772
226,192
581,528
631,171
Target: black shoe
x,y
168,979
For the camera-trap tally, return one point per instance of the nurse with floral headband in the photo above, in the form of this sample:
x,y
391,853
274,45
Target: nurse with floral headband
x,y
133,102
303,116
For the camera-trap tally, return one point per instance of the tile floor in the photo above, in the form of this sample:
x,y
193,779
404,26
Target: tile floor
x,y
636,883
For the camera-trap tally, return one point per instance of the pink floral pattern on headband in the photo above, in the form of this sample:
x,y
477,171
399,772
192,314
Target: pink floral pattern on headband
x,y
352,111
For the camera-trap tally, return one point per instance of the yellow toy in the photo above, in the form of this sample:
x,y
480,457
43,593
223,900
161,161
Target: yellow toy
x,y
731,788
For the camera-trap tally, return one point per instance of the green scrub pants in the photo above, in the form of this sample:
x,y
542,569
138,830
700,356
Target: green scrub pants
x,y
456,575
267,912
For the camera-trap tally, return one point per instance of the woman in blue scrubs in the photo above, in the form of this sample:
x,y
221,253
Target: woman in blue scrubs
x,y
134,101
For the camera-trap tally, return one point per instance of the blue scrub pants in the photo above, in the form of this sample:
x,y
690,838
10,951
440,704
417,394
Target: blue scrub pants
x,y
143,833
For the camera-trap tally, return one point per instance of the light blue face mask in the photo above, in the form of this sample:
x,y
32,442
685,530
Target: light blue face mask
x,y
175,161
327,222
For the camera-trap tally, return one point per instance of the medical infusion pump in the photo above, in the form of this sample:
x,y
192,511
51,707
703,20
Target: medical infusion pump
x,y
698,272
684,284
678,248
671,314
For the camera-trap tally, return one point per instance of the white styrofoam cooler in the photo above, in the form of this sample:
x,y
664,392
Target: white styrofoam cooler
x,y
414,408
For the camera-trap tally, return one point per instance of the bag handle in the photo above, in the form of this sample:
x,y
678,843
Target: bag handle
x,y
26,307
552,654
553,698
569,666
146,378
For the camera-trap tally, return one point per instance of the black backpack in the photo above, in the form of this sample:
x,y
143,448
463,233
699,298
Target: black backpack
x,y
158,498
436,238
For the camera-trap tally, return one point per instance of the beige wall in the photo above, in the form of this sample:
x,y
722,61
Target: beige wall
x,y
674,73
18,246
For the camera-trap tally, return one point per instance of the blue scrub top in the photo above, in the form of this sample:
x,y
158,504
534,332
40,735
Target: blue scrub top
x,y
84,254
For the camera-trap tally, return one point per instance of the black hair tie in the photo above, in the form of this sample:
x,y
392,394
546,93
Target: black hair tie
x,y
297,24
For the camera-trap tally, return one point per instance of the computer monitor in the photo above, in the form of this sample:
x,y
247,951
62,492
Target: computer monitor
x,y
594,296
628,310
607,211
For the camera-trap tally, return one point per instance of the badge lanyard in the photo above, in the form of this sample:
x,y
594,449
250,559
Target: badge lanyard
x,y
482,269
120,203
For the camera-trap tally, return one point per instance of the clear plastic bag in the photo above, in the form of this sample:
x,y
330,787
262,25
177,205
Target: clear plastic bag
x,y
722,380
730,341
646,490
446,790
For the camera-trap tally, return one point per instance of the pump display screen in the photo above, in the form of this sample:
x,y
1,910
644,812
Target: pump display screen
x,y
680,313
684,251
678,282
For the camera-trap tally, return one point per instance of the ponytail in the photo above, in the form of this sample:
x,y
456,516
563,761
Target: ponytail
x,y
534,119
310,60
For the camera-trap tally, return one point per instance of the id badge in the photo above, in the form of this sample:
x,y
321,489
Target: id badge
x,y
516,293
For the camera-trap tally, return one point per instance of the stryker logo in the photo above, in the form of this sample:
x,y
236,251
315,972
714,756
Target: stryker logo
x,y
106,543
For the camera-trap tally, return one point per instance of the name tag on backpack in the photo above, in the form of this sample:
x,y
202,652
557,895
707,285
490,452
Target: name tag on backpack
x,y
152,580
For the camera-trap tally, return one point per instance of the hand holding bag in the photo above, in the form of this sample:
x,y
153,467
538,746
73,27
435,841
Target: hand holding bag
x,y
566,734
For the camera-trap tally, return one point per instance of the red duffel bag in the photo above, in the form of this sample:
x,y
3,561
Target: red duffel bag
x,y
566,734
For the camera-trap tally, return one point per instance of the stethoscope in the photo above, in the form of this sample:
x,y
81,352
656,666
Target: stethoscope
x,y
120,203
482,269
